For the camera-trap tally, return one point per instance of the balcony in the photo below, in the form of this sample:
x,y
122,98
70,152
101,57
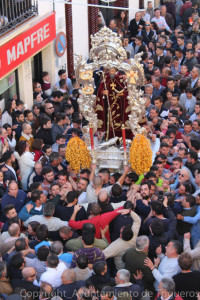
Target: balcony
x,y
15,12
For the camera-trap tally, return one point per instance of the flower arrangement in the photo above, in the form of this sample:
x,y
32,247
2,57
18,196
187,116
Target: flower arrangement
x,y
77,154
140,154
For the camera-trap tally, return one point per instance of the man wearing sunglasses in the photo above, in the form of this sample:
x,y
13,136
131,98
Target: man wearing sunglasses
x,y
147,33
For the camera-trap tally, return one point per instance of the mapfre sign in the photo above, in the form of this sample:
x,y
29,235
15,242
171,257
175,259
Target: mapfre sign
x,y
26,44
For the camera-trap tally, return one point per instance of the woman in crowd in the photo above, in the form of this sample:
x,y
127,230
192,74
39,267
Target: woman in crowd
x,y
10,136
26,162
8,113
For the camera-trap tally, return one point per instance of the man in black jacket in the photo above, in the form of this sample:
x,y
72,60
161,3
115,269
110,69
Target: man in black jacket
x,y
44,132
69,285
136,25
29,275
147,33
159,58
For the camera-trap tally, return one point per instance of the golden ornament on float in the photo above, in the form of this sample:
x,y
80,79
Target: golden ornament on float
x,y
140,154
77,154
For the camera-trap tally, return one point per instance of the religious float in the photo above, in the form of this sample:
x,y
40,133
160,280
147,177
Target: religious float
x,y
117,108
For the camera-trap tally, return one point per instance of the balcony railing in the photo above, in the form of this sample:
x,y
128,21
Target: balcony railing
x,y
15,12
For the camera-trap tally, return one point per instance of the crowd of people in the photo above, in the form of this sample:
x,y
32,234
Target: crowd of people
x,y
102,234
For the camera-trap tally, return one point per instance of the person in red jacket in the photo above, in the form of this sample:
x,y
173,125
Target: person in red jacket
x,y
166,290
99,221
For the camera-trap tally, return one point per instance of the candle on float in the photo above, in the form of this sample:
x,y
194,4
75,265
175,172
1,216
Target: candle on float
x,y
91,137
124,136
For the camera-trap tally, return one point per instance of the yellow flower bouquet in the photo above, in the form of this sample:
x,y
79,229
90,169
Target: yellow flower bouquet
x,y
140,154
77,154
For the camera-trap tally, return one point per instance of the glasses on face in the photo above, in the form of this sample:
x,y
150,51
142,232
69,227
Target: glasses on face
x,y
38,86
149,63
182,175
147,25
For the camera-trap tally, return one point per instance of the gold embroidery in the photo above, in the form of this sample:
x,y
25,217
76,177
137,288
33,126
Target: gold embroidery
x,y
99,107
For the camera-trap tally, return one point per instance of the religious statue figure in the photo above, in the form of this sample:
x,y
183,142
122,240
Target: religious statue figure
x,y
112,104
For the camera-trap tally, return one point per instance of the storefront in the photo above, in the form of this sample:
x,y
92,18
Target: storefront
x,y
24,56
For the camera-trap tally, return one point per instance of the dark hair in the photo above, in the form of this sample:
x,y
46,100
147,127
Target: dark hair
x,y
57,94
61,72
107,290
34,225
71,196
17,260
45,73
8,106
116,190
34,186
52,261
193,155
88,238
59,136
104,171
60,116
43,253
157,227
21,147
62,172
35,195
158,207
8,208
47,170
177,246
37,144
160,98
42,232
99,267
127,233
128,205
82,261
45,147
149,175
116,176
133,177
27,112
191,199
87,171
89,227
146,183
43,121
195,143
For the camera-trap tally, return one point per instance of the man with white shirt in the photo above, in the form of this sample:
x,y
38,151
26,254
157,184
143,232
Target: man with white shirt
x,y
54,271
165,265
81,188
47,218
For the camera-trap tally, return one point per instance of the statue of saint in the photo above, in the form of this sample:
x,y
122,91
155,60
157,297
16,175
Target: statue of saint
x,y
112,104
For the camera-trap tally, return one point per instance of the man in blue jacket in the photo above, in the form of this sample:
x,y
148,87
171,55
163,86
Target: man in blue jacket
x,y
34,207
13,196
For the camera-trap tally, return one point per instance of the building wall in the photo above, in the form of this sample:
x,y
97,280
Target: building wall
x,y
58,62
80,28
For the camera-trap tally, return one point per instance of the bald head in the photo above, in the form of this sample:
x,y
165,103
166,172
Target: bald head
x,y
103,196
29,274
68,276
14,230
97,182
